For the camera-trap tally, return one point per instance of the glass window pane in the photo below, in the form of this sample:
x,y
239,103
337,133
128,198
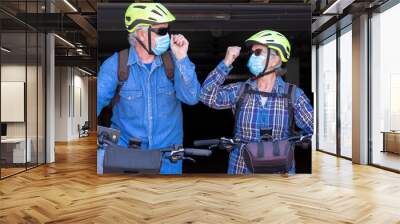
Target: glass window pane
x,y
346,94
31,97
41,98
22,87
327,96
14,153
385,84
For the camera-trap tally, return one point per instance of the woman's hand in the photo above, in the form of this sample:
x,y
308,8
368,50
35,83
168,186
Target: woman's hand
x,y
231,54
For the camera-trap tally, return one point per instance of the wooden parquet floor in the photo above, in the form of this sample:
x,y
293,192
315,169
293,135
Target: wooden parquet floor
x,y
70,191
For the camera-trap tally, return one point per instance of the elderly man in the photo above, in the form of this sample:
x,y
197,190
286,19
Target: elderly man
x,y
149,105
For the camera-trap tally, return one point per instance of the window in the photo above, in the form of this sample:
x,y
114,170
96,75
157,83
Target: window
x,y
22,77
346,92
385,89
326,101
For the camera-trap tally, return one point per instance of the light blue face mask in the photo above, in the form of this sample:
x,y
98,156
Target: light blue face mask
x,y
256,64
162,44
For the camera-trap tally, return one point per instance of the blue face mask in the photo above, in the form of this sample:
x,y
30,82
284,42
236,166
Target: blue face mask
x,y
256,64
162,44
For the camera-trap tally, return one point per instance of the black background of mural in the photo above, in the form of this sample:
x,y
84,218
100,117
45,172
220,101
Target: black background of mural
x,y
210,29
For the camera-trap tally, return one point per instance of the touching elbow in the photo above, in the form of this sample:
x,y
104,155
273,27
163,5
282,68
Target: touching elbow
x,y
205,99
192,98
193,101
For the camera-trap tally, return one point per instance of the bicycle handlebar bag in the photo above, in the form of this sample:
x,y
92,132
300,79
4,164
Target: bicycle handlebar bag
x,y
269,156
126,160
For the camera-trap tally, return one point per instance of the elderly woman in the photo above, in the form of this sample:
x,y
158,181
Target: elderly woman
x,y
258,111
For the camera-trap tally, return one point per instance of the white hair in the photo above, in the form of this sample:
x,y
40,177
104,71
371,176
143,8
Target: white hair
x,y
274,53
279,70
132,36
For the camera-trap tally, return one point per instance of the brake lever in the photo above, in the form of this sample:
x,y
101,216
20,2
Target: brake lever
x,y
177,150
210,147
175,154
175,158
224,141
189,158
227,144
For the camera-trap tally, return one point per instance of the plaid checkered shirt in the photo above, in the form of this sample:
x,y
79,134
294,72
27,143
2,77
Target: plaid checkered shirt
x,y
253,115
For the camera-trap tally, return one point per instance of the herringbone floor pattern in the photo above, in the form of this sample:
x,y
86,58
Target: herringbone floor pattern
x,y
70,191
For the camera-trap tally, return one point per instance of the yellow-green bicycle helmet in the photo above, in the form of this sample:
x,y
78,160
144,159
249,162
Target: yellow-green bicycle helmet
x,y
146,14
273,40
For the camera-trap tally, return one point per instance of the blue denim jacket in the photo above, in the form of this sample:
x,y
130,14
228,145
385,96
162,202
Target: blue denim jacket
x,y
150,103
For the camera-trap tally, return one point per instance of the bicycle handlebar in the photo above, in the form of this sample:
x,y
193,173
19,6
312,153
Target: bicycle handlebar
x,y
178,150
223,142
197,152
206,142
188,151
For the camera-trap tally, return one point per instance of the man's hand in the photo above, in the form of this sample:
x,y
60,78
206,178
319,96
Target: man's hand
x,y
231,54
179,46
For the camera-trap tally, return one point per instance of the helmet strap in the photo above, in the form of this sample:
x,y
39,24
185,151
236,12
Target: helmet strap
x,y
148,41
263,73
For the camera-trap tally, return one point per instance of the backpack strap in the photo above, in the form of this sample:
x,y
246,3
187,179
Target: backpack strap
x,y
123,75
169,65
291,102
244,88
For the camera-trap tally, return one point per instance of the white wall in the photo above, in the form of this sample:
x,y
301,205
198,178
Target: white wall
x,y
61,103
71,94
79,115
13,101
13,73
33,127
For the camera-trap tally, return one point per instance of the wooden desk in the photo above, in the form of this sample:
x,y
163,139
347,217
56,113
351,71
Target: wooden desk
x,y
16,147
391,141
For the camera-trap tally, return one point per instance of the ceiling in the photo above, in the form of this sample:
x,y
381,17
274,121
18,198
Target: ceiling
x,y
205,22
210,28
78,24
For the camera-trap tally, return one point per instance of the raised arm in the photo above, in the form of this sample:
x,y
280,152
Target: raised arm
x,y
187,86
213,94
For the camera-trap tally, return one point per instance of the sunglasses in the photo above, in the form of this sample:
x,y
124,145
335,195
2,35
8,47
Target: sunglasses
x,y
160,31
249,52
257,52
